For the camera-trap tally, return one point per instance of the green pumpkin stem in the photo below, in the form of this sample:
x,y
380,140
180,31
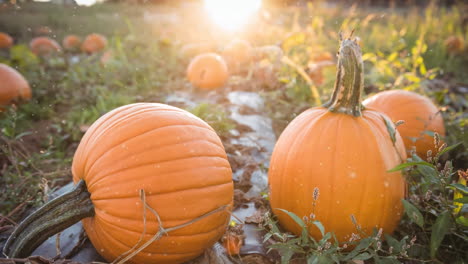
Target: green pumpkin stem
x,y
349,84
48,220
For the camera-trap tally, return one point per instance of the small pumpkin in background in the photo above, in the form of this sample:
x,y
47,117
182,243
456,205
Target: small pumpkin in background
x,y
6,41
71,42
43,30
141,161
238,51
420,114
323,56
331,162
454,44
94,43
207,71
316,65
106,57
43,46
13,86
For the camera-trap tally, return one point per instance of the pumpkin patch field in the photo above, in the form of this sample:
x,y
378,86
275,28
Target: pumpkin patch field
x,y
233,132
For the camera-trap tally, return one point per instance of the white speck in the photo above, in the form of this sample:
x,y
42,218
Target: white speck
x,y
386,184
352,174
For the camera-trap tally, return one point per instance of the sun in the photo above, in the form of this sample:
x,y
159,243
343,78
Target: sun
x,y
231,14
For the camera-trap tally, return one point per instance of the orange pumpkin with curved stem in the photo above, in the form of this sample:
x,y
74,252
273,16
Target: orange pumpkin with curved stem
x,y
71,42
94,43
44,46
6,41
13,86
331,162
207,71
174,157
420,114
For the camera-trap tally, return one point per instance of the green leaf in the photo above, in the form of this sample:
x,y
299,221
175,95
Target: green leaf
x,y
296,218
462,188
395,244
428,172
413,213
363,256
409,164
439,229
390,128
363,244
447,149
319,225
461,200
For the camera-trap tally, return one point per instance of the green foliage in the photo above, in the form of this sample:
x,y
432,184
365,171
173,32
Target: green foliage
x,y
215,116
328,249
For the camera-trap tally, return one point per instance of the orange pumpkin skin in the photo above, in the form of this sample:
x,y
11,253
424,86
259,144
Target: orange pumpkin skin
x,y
346,158
207,71
454,44
330,163
13,86
419,113
239,51
44,46
94,43
6,41
180,163
324,56
106,57
71,42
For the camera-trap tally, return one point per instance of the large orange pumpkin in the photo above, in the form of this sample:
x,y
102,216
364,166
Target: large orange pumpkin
x,y
238,51
71,42
13,86
207,71
421,117
179,162
44,46
331,162
6,41
94,43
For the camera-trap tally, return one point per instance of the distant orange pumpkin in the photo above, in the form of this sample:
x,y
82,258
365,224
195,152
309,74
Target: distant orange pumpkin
x,y
71,42
43,30
13,86
6,41
324,56
44,46
420,114
239,51
207,71
106,57
94,43
454,44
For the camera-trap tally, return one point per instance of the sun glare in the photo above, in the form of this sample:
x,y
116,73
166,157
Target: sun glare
x,y
231,14
85,2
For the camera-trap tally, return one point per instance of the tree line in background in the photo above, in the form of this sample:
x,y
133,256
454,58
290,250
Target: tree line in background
x,y
387,3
